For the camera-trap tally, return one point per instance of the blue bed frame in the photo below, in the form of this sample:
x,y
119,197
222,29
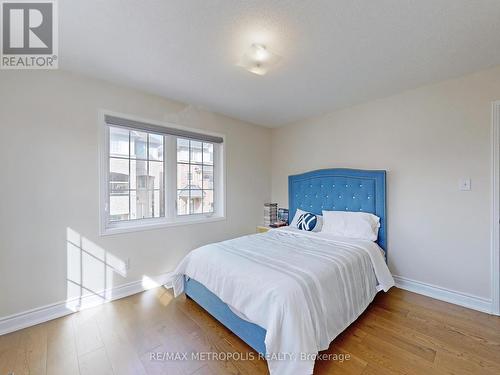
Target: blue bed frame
x,y
327,189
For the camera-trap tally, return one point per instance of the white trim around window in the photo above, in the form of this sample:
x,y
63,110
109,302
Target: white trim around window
x,y
171,217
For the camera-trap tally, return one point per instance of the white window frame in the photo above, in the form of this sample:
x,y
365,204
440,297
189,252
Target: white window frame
x,y
106,227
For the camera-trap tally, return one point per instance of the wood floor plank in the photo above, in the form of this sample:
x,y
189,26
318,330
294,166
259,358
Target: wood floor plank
x,y
446,313
396,338
156,364
353,366
386,356
95,363
371,357
400,333
463,338
452,349
13,354
62,357
120,352
224,339
34,342
445,308
462,365
87,335
440,331
205,370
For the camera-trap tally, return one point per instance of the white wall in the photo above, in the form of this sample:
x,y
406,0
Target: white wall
x,y
48,124
427,139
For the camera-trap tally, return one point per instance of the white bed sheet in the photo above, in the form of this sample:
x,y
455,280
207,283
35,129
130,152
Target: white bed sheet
x,y
303,288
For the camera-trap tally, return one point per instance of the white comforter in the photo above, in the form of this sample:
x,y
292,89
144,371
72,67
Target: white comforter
x,y
303,288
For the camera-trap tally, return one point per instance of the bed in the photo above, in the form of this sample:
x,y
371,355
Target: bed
x,y
287,293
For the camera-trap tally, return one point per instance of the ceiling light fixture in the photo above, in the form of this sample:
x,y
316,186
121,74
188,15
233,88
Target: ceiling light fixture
x,y
258,59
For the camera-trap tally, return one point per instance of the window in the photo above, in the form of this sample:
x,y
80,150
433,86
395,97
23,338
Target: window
x,y
195,177
155,176
136,175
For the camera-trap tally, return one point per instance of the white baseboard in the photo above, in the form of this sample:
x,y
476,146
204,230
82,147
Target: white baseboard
x,y
443,294
45,313
56,310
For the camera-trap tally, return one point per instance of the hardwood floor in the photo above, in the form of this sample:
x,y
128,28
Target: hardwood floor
x,y
400,333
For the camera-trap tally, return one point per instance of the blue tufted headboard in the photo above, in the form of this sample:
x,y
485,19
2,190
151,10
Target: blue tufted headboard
x,y
340,189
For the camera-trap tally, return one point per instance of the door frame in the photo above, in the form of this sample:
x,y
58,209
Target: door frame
x,y
495,212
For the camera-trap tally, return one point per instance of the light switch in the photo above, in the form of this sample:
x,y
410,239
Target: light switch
x,y
464,184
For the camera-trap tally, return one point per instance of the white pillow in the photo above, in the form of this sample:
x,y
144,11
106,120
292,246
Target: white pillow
x,y
299,213
360,225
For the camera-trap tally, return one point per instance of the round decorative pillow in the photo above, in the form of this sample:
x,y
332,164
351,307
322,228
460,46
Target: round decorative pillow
x,y
307,221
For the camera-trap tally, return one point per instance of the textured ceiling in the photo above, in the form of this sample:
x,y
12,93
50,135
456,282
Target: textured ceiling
x,y
334,53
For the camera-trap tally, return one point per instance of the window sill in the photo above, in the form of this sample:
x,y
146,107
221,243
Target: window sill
x,y
151,224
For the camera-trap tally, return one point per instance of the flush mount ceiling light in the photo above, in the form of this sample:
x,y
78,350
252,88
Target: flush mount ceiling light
x,y
258,59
